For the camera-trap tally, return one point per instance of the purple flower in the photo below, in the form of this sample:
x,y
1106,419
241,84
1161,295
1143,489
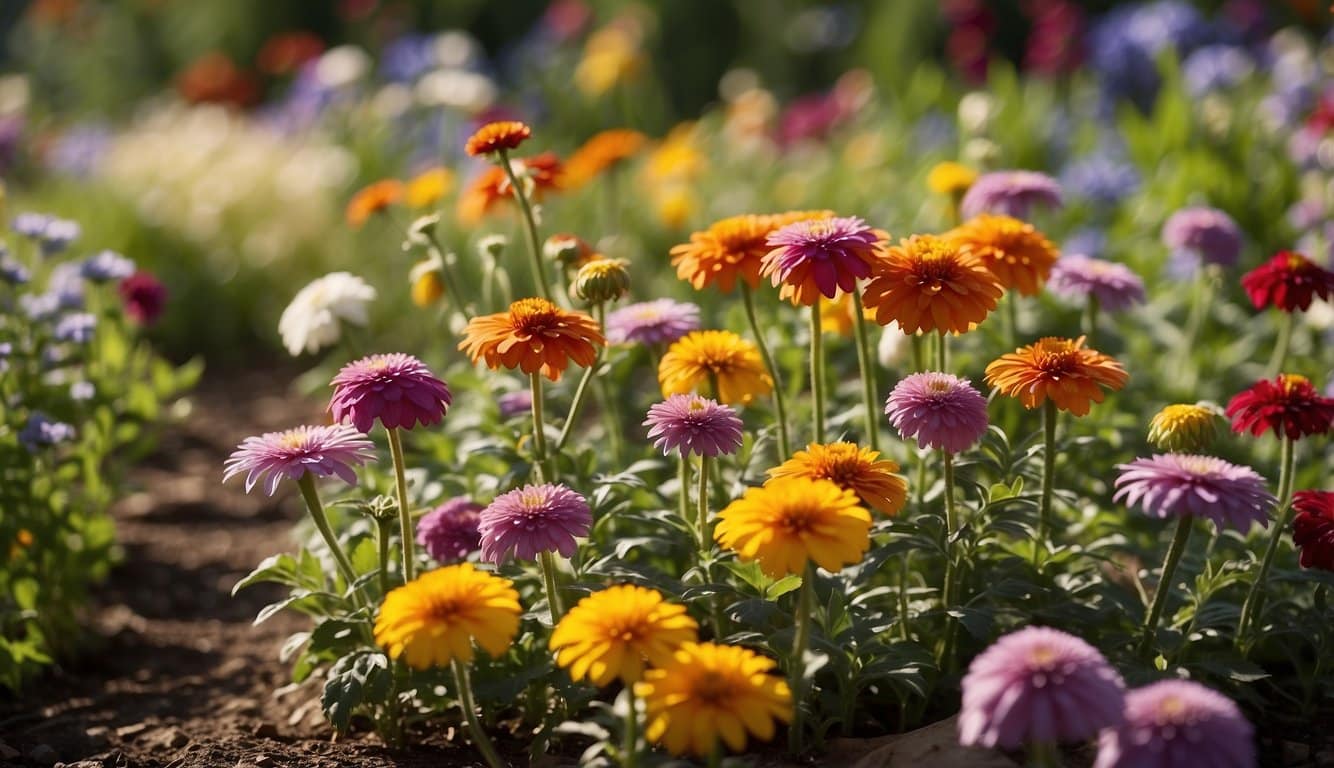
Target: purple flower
x,y
1114,285
824,255
321,451
1203,235
1085,242
105,266
1102,178
82,390
11,271
939,410
1011,193
1038,685
533,519
66,282
1216,68
693,424
397,389
449,532
652,322
1176,484
516,403
39,306
78,151
41,430
1177,724
53,234
77,328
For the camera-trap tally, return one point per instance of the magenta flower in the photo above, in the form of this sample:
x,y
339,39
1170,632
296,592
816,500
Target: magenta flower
x,y
449,532
1203,235
144,297
818,257
939,410
1038,685
321,451
533,519
397,389
694,424
1177,484
652,322
1115,286
518,402
1177,724
1010,193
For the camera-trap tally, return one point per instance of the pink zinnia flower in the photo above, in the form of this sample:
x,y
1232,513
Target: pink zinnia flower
x,y
397,389
321,451
1114,285
1200,235
1177,724
1177,484
1038,685
652,322
1010,193
818,257
939,410
450,531
144,297
533,519
694,424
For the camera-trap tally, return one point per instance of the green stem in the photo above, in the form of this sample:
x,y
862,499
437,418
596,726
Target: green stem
x,y
1091,318
904,570
918,353
630,738
404,514
948,596
683,498
1048,479
451,284
382,527
534,243
1164,590
817,375
1283,513
715,759
554,604
307,485
581,391
702,521
1011,320
780,406
479,737
1043,754
942,353
540,463
805,606
867,365
1281,344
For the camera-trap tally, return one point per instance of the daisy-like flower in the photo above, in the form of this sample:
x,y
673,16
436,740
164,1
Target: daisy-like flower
x,y
314,319
651,323
1177,724
1179,484
710,692
427,188
732,249
702,357
534,336
1011,193
938,410
792,520
929,283
694,424
437,617
602,151
492,186
143,296
950,178
1062,369
396,388
106,266
618,633
820,257
372,199
323,451
1014,251
1289,406
449,532
1114,286
1200,235
497,137
1184,427
1313,528
1038,685
852,468
1288,281
533,519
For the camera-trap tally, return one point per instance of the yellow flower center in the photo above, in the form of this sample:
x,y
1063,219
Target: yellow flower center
x,y
1042,656
293,439
1196,465
1292,382
1055,356
1171,707
714,688
797,519
697,404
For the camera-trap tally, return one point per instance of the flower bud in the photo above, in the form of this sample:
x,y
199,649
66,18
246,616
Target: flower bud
x,y
601,280
567,250
1184,428
493,245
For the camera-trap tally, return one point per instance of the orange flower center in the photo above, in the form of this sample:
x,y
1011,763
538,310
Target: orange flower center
x,y
1296,261
713,688
1171,707
533,317
797,520
1056,356
1042,656
936,262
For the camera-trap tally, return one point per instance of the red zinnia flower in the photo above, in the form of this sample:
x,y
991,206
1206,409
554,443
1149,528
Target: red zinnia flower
x,y
1287,281
1313,528
1289,405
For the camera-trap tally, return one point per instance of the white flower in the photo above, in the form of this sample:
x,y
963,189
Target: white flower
x,y
976,109
314,318
456,88
893,345
342,66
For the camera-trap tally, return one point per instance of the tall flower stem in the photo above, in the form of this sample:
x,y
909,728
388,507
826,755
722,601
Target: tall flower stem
x,y
817,375
1043,754
382,528
1283,513
581,391
1281,344
948,596
702,499
942,353
312,496
534,242
404,513
540,459
630,738
1010,318
867,365
1164,590
683,498
548,563
451,283
611,420
802,640
1091,318
918,353
780,406
479,737
1048,479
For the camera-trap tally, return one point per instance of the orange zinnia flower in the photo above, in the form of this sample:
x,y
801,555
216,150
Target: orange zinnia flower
x,y
731,248
852,468
372,199
1062,369
601,152
534,336
491,186
928,283
495,137
721,357
1014,251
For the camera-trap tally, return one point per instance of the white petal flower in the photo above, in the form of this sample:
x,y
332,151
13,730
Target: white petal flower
x,y
314,319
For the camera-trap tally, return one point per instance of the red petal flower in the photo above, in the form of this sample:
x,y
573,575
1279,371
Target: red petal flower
x,y
1313,528
1288,405
1287,281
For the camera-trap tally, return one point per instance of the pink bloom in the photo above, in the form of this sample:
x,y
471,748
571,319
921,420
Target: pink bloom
x,y
938,410
821,257
652,322
694,424
397,389
1201,235
144,297
533,519
1011,193
1177,724
1177,484
321,451
1114,285
449,532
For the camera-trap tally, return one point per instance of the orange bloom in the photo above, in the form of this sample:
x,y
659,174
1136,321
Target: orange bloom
x,y
495,137
928,283
372,199
731,248
534,336
721,357
491,186
852,468
1014,251
601,152
1061,369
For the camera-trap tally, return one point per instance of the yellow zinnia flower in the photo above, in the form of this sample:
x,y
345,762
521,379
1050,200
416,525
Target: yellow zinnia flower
x,y
1184,428
714,358
709,691
860,470
436,618
426,189
792,520
950,178
617,632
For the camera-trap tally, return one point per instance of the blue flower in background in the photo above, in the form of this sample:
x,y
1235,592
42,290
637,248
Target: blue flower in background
x,y
66,282
1085,242
1216,68
52,234
106,266
41,430
78,151
11,271
6,350
1124,45
77,328
406,58
933,131
39,306
1102,178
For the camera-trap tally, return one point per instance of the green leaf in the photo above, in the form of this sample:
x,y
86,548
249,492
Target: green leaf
x,y
280,568
783,586
362,678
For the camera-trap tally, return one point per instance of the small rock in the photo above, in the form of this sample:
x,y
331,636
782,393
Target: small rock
x,y
263,761
43,754
7,752
265,731
128,732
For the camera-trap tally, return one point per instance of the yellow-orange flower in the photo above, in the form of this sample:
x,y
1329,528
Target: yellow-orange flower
x,y
950,178
437,617
702,358
732,248
611,55
494,137
1184,428
1062,369
534,336
427,279
372,199
491,186
838,316
1014,251
428,188
852,468
617,632
709,692
790,521
928,283
600,152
